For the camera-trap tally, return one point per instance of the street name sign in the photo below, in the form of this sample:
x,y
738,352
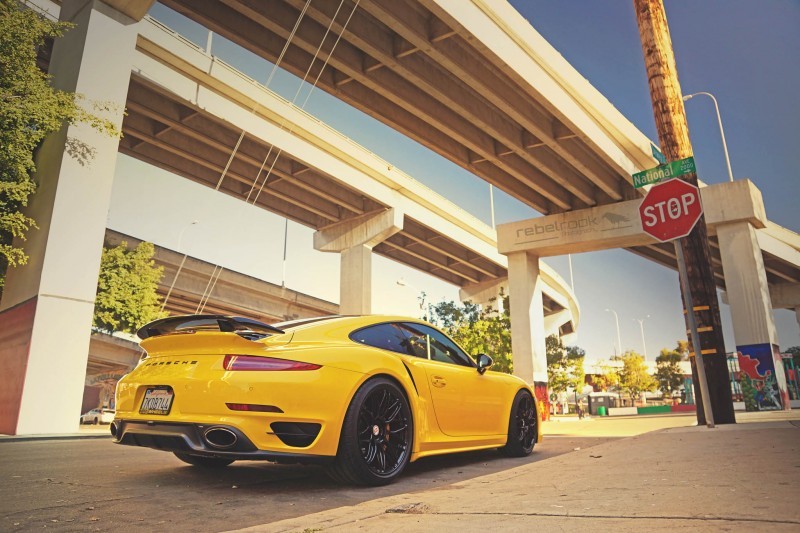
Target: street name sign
x,y
664,172
670,210
660,157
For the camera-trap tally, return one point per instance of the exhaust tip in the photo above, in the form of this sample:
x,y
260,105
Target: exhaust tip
x,y
220,437
113,429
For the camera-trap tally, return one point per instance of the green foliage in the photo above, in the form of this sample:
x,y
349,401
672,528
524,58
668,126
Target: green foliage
x,y
30,109
608,377
748,393
669,375
477,330
795,351
452,314
126,289
564,365
634,378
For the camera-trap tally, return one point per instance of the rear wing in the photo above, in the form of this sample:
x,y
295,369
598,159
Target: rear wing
x,y
245,327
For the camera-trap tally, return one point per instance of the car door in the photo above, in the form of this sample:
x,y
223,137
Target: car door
x,y
465,402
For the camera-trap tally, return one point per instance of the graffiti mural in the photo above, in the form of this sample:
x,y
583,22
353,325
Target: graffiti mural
x,y
762,378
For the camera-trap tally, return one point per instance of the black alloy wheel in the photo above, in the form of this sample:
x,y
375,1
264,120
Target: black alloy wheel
x,y
377,435
522,428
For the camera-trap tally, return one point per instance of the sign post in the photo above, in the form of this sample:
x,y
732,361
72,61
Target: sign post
x,y
673,136
668,212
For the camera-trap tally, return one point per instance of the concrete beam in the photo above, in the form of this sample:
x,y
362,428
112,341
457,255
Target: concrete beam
x,y
619,225
782,296
135,9
354,239
554,322
483,293
368,230
785,295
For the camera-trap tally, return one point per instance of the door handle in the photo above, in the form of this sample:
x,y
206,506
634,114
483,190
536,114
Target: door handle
x,y
438,381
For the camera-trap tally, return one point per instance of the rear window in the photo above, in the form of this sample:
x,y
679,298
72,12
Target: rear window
x,y
384,336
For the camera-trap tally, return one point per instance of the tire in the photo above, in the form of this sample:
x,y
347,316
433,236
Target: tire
x,y
522,426
96,421
202,460
377,436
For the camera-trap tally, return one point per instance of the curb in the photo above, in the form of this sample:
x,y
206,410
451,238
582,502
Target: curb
x,y
56,436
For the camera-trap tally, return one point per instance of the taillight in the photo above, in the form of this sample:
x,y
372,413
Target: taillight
x,y
254,362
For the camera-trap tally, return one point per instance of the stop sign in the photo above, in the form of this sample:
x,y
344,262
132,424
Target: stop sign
x,y
670,210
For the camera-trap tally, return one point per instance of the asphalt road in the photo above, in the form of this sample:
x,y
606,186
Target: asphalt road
x,y
95,485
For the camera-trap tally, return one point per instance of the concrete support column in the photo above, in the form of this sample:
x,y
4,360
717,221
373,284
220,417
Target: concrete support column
x,y
751,312
355,278
527,321
354,239
47,305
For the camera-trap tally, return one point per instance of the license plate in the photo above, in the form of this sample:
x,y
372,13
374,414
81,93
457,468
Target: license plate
x,y
157,401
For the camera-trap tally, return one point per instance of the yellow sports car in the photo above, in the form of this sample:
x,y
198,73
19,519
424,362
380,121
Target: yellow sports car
x,y
363,394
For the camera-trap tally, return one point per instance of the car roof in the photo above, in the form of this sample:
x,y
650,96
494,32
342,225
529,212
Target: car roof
x,y
354,320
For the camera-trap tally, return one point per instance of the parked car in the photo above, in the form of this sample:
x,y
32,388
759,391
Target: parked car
x,y
98,416
363,394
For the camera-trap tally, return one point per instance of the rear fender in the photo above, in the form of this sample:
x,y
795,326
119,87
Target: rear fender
x,y
401,378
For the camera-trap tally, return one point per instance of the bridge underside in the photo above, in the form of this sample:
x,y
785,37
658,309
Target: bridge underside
x,y
167,132
412,65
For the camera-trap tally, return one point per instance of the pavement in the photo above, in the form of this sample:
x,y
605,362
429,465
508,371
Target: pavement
x,y
742,477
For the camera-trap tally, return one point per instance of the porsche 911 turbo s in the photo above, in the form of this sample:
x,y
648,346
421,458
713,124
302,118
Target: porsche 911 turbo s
x,y
363,394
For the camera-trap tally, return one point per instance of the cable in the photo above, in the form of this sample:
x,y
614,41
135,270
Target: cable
x,y
316,80
210,286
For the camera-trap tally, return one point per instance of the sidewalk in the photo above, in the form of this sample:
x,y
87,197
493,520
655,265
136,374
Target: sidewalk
x,y
84,432
741,477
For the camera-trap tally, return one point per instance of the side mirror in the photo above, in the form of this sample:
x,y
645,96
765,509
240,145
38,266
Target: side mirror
x,y
484,362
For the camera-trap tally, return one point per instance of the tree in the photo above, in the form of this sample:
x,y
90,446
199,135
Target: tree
x,y
477,330
564,365
126,289
669,374
30,109
795,351
634,378
608,377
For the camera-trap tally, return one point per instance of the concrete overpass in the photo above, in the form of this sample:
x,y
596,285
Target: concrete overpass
x,y
441,73
471,80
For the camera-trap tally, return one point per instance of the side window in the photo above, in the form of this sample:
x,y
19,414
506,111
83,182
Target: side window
x,y
428,343
384,336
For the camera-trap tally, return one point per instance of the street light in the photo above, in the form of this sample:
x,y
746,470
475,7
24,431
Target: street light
x,y
180,267
641,327
616,319
721,131
420,298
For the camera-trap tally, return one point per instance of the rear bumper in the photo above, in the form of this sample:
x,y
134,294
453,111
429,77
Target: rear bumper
x,y
189,438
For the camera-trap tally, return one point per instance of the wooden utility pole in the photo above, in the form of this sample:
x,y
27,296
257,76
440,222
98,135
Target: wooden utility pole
x,y
673,134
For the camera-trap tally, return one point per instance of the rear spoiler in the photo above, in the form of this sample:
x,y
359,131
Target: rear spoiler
x,y
246,327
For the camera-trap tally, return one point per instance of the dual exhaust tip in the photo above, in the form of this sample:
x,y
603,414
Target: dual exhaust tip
x,y
220,437
217,437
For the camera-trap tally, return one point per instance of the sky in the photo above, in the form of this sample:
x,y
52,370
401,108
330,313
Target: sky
x,y
742,52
